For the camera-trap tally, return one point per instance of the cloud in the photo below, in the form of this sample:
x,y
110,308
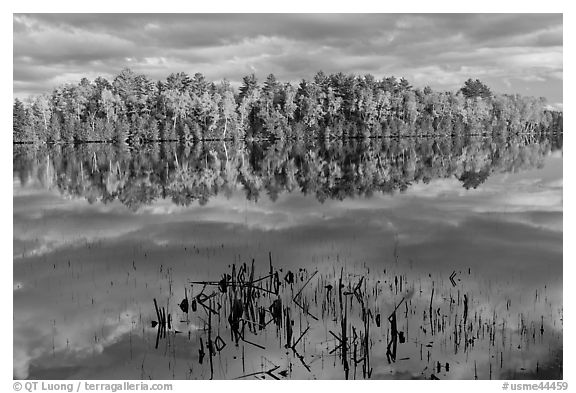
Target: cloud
x,y
435,49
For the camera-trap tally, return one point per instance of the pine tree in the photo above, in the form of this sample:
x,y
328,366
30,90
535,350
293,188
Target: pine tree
x,y
18,121
475,88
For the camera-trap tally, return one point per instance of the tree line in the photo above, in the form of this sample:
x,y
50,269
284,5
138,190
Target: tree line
x,y
134,109
337,169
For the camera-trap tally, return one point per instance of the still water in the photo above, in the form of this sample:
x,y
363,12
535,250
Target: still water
x,y
406,259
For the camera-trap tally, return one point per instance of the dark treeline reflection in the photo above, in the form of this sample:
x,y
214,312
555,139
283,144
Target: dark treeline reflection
x,y
329,170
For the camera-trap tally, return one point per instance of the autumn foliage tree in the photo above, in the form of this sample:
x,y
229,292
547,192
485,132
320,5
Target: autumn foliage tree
x,y
133,109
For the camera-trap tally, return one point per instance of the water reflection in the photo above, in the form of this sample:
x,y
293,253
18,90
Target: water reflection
x,y
98,237
328,170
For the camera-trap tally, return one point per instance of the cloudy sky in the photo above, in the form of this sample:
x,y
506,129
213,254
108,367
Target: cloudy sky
x,y
511,52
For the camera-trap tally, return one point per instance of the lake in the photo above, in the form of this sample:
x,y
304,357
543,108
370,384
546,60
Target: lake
x,y
379,258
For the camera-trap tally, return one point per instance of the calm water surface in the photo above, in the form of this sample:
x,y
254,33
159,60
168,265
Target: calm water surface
x,y
100,232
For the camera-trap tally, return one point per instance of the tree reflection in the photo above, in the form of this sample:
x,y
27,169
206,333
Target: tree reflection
x,y
340,169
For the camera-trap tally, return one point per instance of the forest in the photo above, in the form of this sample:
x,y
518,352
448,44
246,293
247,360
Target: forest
x,y
133,109
196,172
